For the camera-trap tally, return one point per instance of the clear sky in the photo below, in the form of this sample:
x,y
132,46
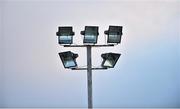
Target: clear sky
x,y
146,75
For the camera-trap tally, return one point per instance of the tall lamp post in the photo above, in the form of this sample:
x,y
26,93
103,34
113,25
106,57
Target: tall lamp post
x,y
65,37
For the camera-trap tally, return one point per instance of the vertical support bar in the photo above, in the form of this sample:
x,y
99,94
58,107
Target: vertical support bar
x,y
89,77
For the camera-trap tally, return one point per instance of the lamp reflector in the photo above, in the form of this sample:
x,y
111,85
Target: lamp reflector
x,y
110,59
68,59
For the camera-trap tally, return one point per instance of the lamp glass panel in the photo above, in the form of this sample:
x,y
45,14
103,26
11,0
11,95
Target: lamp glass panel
x,y
109,62
90,38
65,39
69,62
113,38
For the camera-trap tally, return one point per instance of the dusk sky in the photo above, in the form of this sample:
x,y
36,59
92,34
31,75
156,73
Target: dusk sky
x,y
146,75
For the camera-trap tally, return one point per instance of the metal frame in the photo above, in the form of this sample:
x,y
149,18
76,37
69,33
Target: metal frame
x,y
109,45
103,68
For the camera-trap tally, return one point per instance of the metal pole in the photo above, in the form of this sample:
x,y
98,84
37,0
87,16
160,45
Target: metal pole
x,y
89,77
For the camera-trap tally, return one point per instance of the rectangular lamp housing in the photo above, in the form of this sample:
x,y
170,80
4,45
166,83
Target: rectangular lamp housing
x,y
110,59
90,34
65,35
114,34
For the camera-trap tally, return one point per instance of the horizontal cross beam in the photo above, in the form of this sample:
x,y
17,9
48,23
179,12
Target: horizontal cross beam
x,y
91,68
109,45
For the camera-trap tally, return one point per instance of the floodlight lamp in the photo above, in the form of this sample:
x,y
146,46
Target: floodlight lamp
x,y
114,34
68,59
65,35
109,59
90,34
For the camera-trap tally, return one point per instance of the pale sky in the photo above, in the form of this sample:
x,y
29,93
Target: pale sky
x,y
146,75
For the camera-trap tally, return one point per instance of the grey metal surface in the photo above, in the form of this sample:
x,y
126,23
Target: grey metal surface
x,y
89,77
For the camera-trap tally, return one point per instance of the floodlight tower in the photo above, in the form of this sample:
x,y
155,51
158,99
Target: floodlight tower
x,y
68,58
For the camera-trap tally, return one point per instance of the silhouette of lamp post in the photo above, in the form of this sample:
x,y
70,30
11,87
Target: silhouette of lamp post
x,y
65,38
